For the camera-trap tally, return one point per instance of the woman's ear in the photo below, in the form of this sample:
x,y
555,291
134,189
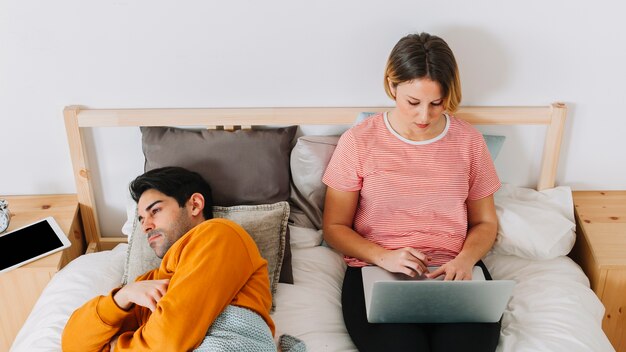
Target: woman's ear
x,y
392,88
196,202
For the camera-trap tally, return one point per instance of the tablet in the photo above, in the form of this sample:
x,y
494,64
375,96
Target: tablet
x,y
30,243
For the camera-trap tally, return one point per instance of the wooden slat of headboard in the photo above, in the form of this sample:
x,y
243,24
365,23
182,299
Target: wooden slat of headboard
x,y
76,118
80,165
552,147
291,116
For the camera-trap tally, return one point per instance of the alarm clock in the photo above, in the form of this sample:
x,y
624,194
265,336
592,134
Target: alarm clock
x,y
5,215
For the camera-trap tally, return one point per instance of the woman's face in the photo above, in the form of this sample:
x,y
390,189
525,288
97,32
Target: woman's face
x,y
419,109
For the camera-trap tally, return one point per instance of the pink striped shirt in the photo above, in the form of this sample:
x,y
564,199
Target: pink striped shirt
x,y
412,194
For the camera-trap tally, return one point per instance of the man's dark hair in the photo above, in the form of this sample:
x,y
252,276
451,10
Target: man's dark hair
x,y
176,182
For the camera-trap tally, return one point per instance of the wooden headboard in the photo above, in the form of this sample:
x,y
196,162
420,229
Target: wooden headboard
x,y
77,118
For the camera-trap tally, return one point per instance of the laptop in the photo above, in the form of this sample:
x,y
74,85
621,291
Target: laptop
x,y
398,298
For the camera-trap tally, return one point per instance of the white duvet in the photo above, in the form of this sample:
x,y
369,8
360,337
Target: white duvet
x,y
552,308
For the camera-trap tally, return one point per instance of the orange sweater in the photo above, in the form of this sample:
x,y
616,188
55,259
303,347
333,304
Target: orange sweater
x,y
213,265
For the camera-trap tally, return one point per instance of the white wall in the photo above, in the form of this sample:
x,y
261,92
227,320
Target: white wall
x,y
289,53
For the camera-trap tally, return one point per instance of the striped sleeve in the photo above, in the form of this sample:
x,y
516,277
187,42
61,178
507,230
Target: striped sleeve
x,y
343,172
483,179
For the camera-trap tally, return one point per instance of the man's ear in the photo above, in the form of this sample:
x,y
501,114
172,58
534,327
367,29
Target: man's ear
x,y
196,202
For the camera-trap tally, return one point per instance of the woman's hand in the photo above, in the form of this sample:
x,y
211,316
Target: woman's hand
x,y
457,269
144,293
405,260
483,228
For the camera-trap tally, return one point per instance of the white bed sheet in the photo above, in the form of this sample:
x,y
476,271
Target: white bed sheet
x,y
82,279
552,308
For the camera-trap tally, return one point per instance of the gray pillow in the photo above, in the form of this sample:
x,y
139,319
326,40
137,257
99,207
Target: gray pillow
x,y
266,224
243,166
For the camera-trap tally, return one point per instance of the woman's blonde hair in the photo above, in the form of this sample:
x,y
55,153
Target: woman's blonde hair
x,y
422,55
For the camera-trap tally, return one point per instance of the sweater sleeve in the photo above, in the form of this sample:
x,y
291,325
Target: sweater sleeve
x,y
213,265
92,326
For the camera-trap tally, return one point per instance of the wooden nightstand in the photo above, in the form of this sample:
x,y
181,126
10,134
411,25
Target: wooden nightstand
x,y
601,251
20,288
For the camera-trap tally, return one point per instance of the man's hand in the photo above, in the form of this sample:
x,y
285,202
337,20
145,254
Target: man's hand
x,y
406,260
144,293
457,269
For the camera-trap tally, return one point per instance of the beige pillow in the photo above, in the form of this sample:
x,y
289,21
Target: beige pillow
x,y
266,224
309,159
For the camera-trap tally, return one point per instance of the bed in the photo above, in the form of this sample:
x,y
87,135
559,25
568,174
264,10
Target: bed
x,y
552,307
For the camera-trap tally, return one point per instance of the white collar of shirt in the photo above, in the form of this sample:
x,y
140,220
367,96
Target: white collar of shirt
x,y
428,141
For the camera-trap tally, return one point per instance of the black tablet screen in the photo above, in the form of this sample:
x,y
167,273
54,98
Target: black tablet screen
x,y
27,243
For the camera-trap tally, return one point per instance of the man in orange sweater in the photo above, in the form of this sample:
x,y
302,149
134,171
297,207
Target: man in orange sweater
x,y
208,265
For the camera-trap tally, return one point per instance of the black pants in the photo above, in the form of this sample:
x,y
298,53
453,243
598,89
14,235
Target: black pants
x,y
410,337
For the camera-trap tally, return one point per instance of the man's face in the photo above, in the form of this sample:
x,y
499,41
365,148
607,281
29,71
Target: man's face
x,y
162,220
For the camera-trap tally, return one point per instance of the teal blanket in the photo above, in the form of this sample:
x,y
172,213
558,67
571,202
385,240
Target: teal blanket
x,y
239,329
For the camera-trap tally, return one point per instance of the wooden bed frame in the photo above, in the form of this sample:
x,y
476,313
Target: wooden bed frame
x,y
77,118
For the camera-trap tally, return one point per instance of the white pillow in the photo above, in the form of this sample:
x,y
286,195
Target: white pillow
x,y
131,215
304,237
534,224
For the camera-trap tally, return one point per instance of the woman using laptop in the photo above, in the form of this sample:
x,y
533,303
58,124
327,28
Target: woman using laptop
x,y
411,188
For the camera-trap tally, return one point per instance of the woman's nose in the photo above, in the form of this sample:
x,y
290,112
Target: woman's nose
x,y
423,114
